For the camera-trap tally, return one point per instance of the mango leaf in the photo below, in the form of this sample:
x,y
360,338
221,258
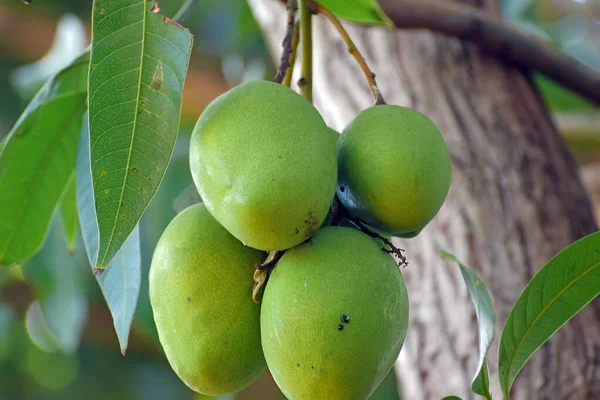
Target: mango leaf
x,y
138,64
361,11
120,283
38,329
481,383
486,318
451,398
556,293
68,212
58,281
37,160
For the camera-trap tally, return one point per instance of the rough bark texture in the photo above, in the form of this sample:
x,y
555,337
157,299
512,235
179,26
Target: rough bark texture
x,y
516,200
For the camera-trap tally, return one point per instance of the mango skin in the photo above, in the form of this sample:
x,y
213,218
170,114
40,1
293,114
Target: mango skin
x,y
201,294
394,169
264,162
339,271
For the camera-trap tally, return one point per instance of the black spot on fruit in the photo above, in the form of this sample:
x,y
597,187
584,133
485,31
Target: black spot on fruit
x,y
340,327
345,319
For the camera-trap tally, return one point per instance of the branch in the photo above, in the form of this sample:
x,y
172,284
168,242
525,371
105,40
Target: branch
x,y
469,24
184,11
369,75
287,80
288,41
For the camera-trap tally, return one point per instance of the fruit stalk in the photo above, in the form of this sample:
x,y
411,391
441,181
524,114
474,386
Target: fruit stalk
x,y
305,82
340,213
287,44
353,50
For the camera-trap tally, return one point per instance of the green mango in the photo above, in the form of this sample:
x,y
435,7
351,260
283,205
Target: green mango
x,y
201,294
263,161
394,169
339,275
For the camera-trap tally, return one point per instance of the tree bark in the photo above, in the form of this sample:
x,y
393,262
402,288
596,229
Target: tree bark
x,y
516,200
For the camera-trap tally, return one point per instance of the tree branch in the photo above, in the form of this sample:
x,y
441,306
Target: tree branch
x,y
470,24
288,41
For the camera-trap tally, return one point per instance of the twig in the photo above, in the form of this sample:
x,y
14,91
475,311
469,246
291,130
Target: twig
x,y
353,50
305,81
287,44
287,80
470,24
339,213
184,11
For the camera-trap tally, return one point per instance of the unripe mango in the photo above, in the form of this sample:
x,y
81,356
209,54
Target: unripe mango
x,y
201,294
264,162
394,169
334,317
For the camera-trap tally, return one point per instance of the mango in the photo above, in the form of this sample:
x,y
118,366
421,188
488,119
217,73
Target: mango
x,y
201,295
394,169
263,161
334,317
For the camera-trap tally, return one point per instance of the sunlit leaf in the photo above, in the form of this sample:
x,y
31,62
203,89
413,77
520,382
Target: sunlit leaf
x,y
68,212
486,318
38,329
362,11
120,282
555,295
70,40
37,161
138,65
57,278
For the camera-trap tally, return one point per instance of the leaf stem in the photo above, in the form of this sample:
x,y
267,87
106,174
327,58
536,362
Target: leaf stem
x,y
287,80
305,82
353,50
287,44
184,11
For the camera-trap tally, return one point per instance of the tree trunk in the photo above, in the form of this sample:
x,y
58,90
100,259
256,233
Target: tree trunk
x,y
516,200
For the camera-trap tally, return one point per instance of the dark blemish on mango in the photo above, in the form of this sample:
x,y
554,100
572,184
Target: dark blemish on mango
x,y
189,299
345,319
297,365
340,327
312,224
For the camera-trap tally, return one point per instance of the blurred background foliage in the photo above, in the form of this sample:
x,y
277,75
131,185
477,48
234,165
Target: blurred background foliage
x,y
56,335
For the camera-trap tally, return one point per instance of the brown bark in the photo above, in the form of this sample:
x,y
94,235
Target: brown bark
x,y
516,200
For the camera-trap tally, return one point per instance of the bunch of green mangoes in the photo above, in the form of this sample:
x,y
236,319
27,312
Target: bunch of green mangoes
x,y
334,311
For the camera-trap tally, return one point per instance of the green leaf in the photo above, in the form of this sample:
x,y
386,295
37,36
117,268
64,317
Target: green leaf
x,y
37,160
486,318
481,383
38,329
138,64
555,295
451,398
361,11
120,282
58,281
68,212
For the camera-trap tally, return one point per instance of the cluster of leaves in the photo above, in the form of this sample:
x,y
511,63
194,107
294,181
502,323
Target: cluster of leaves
x,y
100,171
